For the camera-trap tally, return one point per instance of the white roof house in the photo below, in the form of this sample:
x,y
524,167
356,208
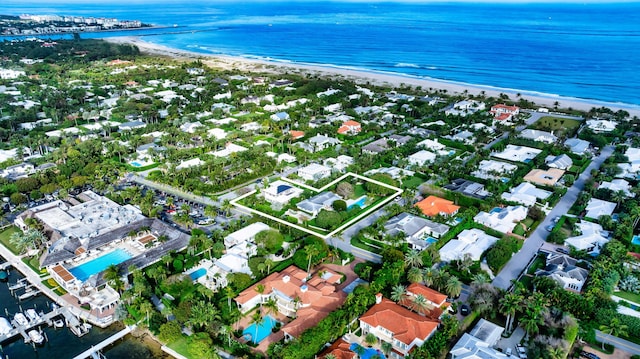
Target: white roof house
x,y
491,169
470,241
229,148
518,153
190,127
320,142
251,127
526,194
577,145
478,344
285,157
280,192
415,229
599,126
246,234
502,219
218,133
434,146
314,172
340,163
538,136
597,207
421,158
394,172
194,162
618,185
591,239
562,161
318,202
632,168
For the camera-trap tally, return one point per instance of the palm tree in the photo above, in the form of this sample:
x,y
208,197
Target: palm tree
x,y
30,239
228,292
203,313
256,319
413,259
453,287
370,339
509,304
615,328
146,307
428,276
398,293
260,290
557,353
419,303
271,306
268,262
386,348
531,322
414,275
330,356
312,251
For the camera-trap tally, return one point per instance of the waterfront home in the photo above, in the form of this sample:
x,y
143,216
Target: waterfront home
x,y
591,238
563,270
502,112
517,153
464,108
279,193
597,207
246,234
314,172
502,219
544,177
433,206
601,126
392,323
562,161
526,194
306,297
469,243
479,343
414,229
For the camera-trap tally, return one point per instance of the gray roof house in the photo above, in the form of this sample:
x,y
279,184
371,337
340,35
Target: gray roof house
x,y
562,161
415,229
577,145
562,269
318,202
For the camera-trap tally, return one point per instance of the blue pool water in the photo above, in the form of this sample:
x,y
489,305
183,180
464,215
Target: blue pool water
x,y
430,240
504,179
636,240
263,330
368,352
360,202
198,273
495,210
135,164
86,270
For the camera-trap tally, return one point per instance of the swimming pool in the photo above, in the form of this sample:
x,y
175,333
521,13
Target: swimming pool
x,y
359,202
86,270
198,273
257,333
430,240
496,210
135,164
636,240
367,353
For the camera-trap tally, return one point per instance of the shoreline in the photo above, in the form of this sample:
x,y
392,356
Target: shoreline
x,y
380,78
87,32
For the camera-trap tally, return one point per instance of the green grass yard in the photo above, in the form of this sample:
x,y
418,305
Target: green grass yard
x,y
559,126
412,182
4,239
631,297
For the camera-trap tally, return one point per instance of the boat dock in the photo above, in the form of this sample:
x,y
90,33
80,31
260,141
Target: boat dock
x,y
47,318
5,265
94,351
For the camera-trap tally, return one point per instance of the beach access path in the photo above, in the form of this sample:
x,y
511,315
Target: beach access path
x,y
521,260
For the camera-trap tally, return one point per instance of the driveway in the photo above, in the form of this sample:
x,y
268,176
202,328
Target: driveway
x,y
521,260
619,343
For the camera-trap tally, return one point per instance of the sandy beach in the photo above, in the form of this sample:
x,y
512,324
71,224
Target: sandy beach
x,y
374,77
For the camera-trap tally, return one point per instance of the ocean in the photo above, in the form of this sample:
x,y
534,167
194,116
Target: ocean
x,y
587,50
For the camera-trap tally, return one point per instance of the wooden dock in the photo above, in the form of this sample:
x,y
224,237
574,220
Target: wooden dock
x,y
74,324
94,351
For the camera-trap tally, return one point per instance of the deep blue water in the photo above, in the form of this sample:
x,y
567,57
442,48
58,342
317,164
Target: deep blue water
x,y
579,50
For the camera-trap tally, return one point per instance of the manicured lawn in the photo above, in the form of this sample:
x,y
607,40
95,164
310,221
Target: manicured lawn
x,y
519,230
559,126
412,182
4,239
181,346
359,191
632,297
34,264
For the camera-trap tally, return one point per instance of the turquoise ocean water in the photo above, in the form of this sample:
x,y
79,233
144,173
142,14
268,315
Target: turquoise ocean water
x,y
588,50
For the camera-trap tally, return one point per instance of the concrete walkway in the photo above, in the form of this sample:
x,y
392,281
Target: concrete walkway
x,y
521,260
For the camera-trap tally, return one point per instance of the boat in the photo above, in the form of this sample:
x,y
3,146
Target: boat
x,y
87,326
5,326
58,323
20,319
36,337
33,315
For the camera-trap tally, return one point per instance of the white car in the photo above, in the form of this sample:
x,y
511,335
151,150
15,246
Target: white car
x,y
508,352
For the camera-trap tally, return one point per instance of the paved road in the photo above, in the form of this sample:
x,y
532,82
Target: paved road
x,y
172,190
622,344
520,260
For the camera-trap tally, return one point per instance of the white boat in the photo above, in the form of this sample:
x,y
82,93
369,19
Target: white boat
x,y
36,337
33,315
58,323
5,326
21,319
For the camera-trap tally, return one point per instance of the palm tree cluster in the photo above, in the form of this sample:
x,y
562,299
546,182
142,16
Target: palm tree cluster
x,y
442,281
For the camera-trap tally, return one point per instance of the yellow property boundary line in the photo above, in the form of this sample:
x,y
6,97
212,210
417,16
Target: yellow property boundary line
x,y
368,211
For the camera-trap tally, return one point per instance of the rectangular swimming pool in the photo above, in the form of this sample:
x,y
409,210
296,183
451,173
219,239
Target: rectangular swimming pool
x,y
197,273
86,270
257,333
636,240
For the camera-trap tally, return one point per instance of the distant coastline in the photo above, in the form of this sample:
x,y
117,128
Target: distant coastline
x,y
153,27
382,78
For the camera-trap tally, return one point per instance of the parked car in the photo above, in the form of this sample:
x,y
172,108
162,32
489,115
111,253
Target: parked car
x,y
465,310
522,351
508,351
549,228
588,355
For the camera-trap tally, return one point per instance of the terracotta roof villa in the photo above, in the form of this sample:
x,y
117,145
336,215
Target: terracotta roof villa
x,y
432,206
308,300
392,323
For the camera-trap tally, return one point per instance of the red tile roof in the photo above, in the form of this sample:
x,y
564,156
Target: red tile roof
x,y
405,325
432,206
296,134
432,295
339,349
